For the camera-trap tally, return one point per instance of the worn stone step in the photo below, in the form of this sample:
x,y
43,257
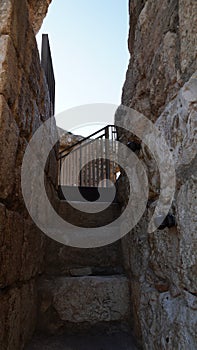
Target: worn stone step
x,y
83,218
83,302
60,259
96,271
88,193
116,341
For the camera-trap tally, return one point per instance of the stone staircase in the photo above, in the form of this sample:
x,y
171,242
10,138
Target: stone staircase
x,y
84,292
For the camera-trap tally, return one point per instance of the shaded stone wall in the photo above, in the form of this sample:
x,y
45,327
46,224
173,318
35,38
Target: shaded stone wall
x,y
24,104
161,83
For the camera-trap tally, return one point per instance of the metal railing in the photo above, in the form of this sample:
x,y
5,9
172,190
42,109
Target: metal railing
x,y
47,65
87,162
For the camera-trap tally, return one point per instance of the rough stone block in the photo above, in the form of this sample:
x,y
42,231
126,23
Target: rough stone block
x,y
91,300
37,10
9,134
32,252
15,22
9,72
188,38
10,319
167,321
187,222
18,316
152,73
11,237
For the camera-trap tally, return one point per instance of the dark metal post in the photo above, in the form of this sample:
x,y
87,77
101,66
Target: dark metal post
x,y
47,65
107,153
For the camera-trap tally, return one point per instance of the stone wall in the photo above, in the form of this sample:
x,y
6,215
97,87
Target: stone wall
x,y
24,103
37,11
161,83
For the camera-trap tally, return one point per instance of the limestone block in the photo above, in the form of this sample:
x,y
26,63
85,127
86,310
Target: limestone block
x,y
188,37
15,22
187,222
11,231
28,311
37,11
153,70
9,134
10,320
9,72
18,316
32,252
88,299
164,258
167,322
26,111
135,247
178,124
6,16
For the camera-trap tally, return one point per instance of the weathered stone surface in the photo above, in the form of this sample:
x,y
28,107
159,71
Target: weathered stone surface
x,y
9,72
38,11
161,83
11,231
18,316
162,43
152,73
188,38
15,23
9,135
187,223
22,248
67,139
178,124
24,103
32,252
174,313
88,300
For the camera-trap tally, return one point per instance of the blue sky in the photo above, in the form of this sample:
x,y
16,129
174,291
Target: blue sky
x,y
88,40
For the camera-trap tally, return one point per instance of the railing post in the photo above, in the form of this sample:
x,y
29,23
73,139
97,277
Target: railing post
x,y
107,153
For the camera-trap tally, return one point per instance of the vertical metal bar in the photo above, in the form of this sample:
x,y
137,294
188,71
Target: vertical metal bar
x,y
59,171
80,164
69,164
114,153
93,163
102,162
89,166
85,166
107,153
97,162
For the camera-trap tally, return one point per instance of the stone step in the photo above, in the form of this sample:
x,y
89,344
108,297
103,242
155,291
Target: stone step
x,y
116,341
80,303
60,259
88,193
82,217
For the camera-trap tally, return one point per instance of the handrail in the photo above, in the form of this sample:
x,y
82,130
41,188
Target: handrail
x,y
94,153
84,139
